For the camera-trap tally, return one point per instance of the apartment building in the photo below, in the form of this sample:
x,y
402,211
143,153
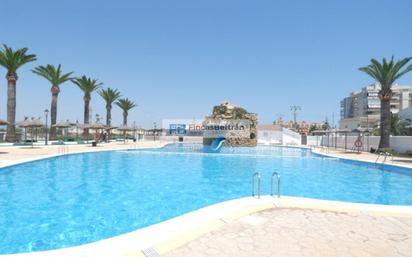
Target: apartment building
x,y
362,108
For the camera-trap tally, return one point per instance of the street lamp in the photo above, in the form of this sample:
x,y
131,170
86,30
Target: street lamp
x,y
154,131
134,131
46,113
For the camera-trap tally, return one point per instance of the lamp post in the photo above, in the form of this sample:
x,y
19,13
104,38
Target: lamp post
x,y
154,131
134,131
77,130
46,113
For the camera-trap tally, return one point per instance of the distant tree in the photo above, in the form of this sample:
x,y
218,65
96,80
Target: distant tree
x,y
312,128
386,73
326,125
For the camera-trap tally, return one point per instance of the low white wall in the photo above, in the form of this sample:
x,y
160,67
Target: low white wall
x,y
399,143
269,137
290,137
285,137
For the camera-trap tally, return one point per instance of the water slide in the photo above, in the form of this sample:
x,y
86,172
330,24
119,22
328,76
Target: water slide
x,y
217,144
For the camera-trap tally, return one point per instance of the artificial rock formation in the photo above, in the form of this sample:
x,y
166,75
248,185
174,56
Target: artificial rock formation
x,y
235,124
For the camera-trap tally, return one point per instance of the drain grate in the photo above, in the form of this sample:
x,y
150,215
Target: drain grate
x,y
150,252
225,220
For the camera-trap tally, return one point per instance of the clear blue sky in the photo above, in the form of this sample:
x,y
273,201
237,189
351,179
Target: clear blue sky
x,y
177,59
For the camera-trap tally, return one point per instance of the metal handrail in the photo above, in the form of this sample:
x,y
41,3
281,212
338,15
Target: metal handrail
x,y
257,174
63,149
385,156
379,156
272,183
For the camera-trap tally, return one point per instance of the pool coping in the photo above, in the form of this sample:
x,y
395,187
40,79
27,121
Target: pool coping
x,y
348,158
173,233
92,150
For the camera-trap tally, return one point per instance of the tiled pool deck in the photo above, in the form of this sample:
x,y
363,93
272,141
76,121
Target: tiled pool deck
x,y
251,227
304,232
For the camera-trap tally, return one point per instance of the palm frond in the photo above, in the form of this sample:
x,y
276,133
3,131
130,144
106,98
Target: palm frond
x,y
52,74
387,71
125,104
86,84
14,59
109,95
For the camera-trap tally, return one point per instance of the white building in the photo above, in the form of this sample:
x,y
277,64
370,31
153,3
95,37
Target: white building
x,y
362,108
406,114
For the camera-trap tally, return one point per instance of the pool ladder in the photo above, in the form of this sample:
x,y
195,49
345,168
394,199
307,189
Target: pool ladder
x,y
63,149
257,177
385,155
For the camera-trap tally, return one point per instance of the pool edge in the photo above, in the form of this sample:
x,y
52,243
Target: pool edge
x,y
173,233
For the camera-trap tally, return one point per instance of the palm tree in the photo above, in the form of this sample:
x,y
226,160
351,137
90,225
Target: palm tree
x,y
125,104
386,73
110,96
12,60
87,85
399,127
56,78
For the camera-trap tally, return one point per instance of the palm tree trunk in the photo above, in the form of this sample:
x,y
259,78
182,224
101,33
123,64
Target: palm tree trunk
x,y
108,115
108,120
124,118
11,106
86,114
385,123
53,111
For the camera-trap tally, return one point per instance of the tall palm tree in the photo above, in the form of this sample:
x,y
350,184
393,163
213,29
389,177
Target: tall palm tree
x,y
125,104
386,73
87,85
109,96
12,60
56,78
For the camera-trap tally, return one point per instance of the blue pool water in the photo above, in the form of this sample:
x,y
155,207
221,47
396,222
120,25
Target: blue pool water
x,y
82,198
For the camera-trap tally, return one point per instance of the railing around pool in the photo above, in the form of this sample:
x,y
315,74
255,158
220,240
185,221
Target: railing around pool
x,y
256,175
272,183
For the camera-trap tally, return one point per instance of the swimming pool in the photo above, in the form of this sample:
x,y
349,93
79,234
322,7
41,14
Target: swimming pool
x,y
81,198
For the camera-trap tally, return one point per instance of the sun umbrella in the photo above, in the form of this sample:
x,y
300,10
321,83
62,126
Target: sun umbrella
x,y
125,129
3,122
33,123
63,125
95,126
